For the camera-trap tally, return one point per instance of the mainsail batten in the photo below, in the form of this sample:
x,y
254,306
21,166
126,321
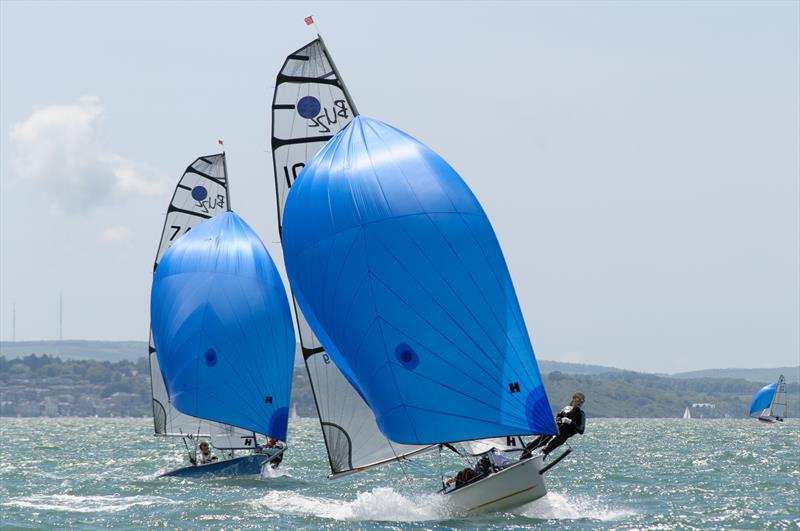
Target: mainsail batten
x,y
310,105
201,193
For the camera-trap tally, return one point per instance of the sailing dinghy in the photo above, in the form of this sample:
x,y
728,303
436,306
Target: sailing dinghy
x,y
202,194
687,413
309,106
401,277
769,403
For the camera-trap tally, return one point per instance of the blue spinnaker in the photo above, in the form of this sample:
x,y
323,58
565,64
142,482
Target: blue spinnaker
x,y
222,327
400,275
762,399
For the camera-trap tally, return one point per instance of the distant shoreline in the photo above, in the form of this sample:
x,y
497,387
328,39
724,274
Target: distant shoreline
x,y
47,385
107,350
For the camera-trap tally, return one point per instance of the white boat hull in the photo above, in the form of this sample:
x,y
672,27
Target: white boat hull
x,y
511,487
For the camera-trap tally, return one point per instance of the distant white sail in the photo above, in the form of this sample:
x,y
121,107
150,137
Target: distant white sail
x,y
687,414
310,105
779,408
201,193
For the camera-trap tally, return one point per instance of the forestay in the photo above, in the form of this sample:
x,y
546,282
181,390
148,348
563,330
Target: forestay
x,y
309,106
201,192
222,328
400,274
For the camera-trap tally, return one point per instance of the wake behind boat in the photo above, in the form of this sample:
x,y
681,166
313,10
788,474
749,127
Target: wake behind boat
x,y
222,336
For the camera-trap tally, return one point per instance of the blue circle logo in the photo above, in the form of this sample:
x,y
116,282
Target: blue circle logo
x,y
308,107
199,193
210,357
406,355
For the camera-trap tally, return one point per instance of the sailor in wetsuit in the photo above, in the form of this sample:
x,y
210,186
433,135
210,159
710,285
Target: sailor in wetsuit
x,y
570,420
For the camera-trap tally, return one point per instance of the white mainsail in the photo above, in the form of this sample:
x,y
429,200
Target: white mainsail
x,y
201,193
310,105
778,409
687,413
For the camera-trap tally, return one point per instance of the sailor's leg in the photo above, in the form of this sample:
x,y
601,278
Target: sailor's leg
x,y
554,443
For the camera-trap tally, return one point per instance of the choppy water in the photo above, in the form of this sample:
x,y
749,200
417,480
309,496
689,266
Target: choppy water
x,y
656,474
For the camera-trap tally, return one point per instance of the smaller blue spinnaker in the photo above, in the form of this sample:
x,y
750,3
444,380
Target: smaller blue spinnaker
x,y
762,399
222,328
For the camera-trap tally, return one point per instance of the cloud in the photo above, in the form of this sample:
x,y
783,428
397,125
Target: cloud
x,y
59,148
116,234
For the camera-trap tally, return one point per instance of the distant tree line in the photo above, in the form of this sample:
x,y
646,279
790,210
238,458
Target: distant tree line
x,y
611,394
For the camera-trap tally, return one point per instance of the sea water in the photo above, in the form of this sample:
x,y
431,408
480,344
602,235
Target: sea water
x,y
93,473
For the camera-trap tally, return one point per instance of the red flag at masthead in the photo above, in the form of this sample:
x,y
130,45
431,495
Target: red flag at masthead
x,y
220,142
309,20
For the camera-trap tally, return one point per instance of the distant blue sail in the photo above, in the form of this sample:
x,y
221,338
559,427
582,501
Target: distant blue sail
x,y
222,327
400,275
762,399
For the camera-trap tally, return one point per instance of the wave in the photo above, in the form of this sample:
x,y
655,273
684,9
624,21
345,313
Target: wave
x,y
380,504
554,506
85,504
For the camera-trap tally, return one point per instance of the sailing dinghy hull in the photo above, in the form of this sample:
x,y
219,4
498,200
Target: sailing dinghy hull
x,y
248,465
511,487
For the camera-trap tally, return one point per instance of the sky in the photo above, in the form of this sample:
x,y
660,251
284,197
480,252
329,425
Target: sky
x,y
640,161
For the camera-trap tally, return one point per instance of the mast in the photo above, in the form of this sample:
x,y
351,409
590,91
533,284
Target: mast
x,y
60,316
227,186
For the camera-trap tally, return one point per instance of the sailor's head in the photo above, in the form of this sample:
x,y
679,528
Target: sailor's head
x,y
578,399
204,447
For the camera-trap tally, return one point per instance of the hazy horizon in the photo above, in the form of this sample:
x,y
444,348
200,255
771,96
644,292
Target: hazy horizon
x,y
639,162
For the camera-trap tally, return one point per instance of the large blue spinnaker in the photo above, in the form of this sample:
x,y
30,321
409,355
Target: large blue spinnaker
x,y
401,276
762,399
222,327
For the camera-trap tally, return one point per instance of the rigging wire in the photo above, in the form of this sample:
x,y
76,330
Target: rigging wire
x,y
400,462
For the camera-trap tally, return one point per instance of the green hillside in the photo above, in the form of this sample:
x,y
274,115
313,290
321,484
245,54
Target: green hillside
x,y
758,374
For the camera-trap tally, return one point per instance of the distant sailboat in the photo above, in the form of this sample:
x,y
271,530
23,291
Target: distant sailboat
x,y
400,275
222,342
309,106
687,413
769,403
